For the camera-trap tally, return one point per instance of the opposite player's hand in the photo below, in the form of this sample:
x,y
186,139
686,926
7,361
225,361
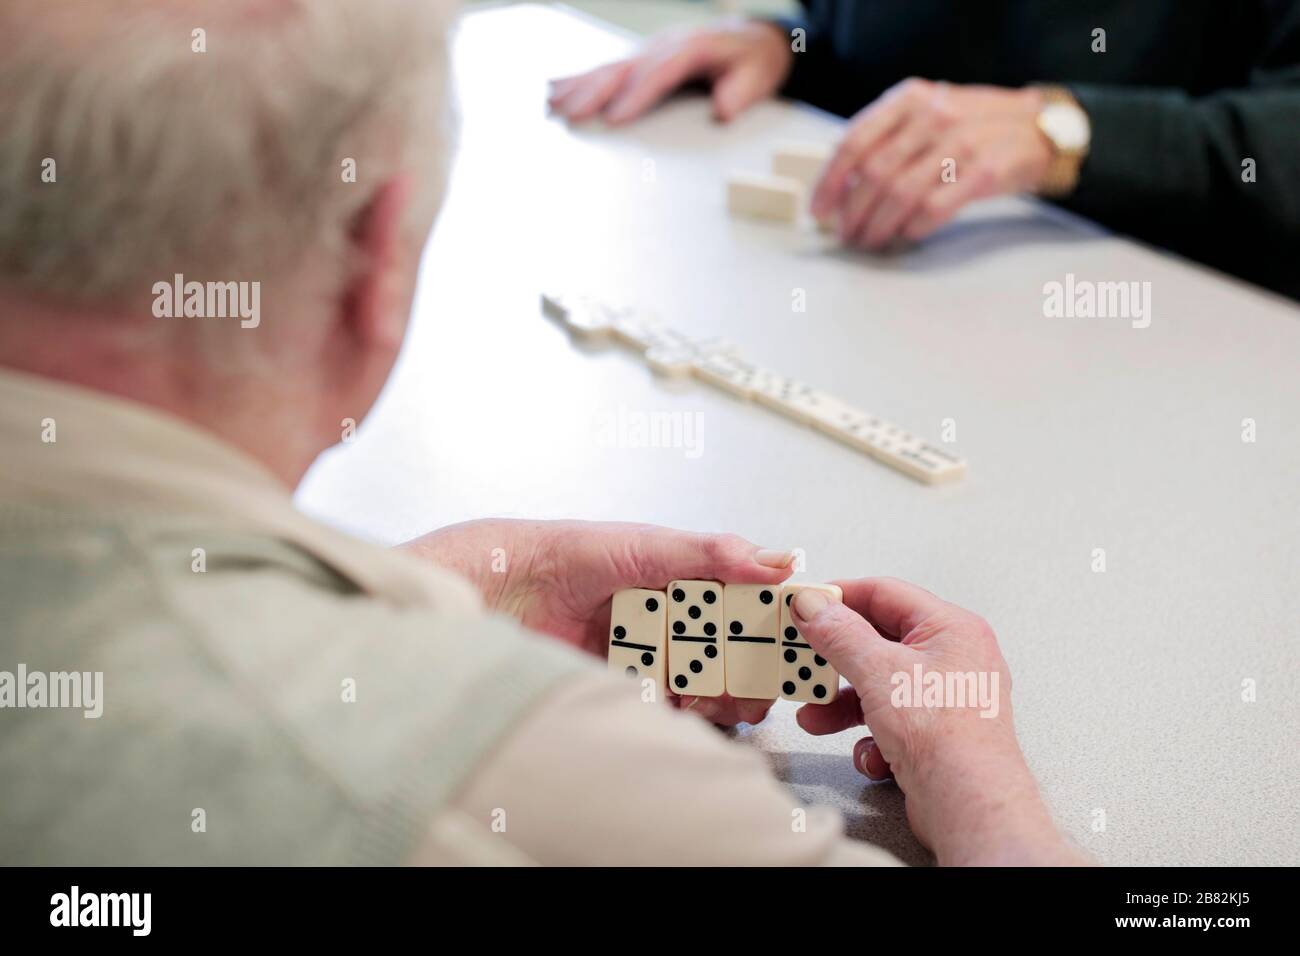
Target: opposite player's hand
x,y
557,577
956,759
923,150
745,61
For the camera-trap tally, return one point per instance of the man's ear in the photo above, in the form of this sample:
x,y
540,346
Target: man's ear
x,y
372,312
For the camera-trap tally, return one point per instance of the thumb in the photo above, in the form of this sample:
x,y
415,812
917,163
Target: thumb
x,y
738,89
842,636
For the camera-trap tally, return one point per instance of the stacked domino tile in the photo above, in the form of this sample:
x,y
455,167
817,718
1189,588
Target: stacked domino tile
x,y
781,194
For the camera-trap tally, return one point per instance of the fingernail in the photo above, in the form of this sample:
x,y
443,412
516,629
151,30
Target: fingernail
x,y
808,603
770,558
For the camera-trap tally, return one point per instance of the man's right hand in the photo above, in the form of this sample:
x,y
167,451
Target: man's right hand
x,y
970,795
745,61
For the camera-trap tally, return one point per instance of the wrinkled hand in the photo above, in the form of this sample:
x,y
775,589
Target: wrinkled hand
x,y
557,577
744,61
970,795
913,158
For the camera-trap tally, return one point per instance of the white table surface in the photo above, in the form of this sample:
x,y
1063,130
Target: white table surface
x,y
1080,433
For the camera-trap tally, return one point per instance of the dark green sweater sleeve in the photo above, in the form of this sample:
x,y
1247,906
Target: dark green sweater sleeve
x,y
818,76
1214,175
1166,164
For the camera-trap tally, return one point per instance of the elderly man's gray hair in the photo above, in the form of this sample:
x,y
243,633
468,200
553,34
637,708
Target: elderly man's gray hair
x,y
220,138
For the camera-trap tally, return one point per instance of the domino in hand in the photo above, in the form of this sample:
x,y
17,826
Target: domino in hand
x,y
696,664
638,628
804,674
753,615
740,639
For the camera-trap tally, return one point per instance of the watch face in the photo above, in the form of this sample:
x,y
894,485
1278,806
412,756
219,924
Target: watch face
x,y
1065,126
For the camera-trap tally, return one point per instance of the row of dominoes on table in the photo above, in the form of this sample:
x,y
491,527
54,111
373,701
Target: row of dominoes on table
x,y
703,638
718,362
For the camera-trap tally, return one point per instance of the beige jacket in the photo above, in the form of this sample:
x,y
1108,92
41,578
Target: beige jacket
x,y
276,692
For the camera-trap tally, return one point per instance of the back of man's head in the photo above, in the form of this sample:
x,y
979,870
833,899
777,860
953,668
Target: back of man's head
x,y
222,139
216,207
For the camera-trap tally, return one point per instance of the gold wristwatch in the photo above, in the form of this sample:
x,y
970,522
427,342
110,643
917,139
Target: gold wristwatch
x,y
1065,124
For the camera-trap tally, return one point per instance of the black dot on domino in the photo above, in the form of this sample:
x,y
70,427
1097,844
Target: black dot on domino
x,y
679,595
819,691
710,652
790,655
788,598
679,627
620,632
694,612
631,671
680,680
805,673
710,629
765,597
696,667
819,660
788,687
736,627
791,633
652,604
710,597
647,659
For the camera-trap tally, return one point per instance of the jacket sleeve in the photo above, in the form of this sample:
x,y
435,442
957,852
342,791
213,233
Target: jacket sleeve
x,y
1164,161
819,76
